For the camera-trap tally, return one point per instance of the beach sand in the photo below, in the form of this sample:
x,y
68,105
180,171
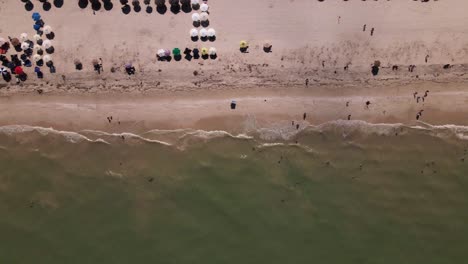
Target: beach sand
x,y
304,34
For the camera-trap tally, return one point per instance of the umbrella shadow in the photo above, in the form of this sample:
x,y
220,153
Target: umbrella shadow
x,y
194,39
161,9
168,58
126,9
205,23
175,9
267,50
96,6
188,57
58,3
149,9
212,39
195,6
83,4
244,50
50,50
177,57
137,8
46,6
204,39
29,6
186,8
205,57
51,35
196,23
108,5
213,56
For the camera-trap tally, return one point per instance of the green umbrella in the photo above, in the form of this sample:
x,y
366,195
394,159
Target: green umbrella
x,y
176,51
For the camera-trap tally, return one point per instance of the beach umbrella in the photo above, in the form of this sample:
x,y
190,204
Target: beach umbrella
x,y
24,45
128,65
212,51
195,2
37,69
211,32
167,53
161,53
204,51
203,33
2,41
3,71
36,37
15,42
47,58
37,57
36,27
23,37
204,7
267,45
176,51
193,32
19,70
47,30
36,16
195,17
244,44
204,16
46,44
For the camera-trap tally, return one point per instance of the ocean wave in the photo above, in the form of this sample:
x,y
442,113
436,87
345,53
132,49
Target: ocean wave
x,y
265,137
69,136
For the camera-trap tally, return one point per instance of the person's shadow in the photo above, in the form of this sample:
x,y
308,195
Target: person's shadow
x,y
108,5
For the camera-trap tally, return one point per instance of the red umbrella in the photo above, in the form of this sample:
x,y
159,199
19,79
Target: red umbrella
x,y
19,70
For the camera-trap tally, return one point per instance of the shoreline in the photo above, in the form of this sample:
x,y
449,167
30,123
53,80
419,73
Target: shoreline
x,y
447,103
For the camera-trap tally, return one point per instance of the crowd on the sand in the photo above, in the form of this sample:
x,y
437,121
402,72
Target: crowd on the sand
x,y
23,51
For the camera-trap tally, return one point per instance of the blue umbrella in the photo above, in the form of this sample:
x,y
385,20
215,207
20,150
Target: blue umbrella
x,y
36,16
37,69
37,27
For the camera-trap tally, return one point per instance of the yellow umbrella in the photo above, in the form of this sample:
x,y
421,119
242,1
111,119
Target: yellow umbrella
x,y
204,51
243,44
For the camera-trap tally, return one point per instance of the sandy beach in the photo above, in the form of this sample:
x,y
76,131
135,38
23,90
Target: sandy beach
x,y
311,40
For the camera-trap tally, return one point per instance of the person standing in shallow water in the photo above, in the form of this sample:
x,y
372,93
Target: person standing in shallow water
x,y
304,116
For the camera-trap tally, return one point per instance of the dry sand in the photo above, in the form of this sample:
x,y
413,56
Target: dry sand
x,y
304,33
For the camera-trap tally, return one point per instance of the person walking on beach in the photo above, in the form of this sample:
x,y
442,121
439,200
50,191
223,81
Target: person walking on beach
x,y
339,19
307,82
372,32
367,104
414,95
349,117
427,57
304,116
98,65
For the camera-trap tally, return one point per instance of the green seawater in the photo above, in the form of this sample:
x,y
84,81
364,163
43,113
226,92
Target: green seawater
x,y
337,195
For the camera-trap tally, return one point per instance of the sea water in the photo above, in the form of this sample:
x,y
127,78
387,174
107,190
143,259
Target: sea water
x,y
341,192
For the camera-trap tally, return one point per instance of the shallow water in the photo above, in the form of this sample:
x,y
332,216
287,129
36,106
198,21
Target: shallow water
x,y
336,193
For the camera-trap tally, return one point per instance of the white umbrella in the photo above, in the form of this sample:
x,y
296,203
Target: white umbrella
x,y
161,53
24,45
204,7
37,57
47,58
3,70
203,33
212,51
211,32
47,29
37,47
23,37
204,16
195,2
47,44
195,17
2,41
193,32
37,37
